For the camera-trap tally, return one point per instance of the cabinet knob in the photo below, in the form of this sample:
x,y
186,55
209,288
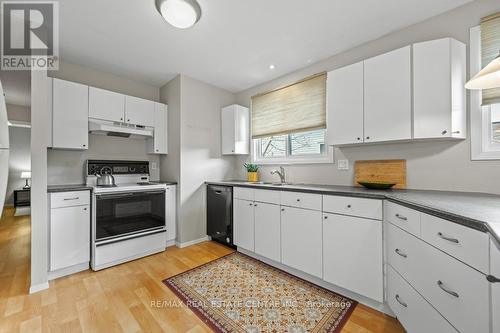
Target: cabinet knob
x,y
348,206
128,119
250,204
156,149
282,209
326,217
358,139
84,145
367,138
298,200
444,132
121,118
255,205
456,132
85,209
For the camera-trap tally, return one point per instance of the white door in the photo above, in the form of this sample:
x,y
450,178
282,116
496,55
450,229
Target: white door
x,y
70,112
4,176
495,287
243,224
345,105
352,254
171,214
160,132
387,96
139,111
301,240
69,236
268,230
4,122
106,105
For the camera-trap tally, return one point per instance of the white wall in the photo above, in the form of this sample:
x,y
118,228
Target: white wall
x,y
18,113
195,117
431,165
67,167
19,160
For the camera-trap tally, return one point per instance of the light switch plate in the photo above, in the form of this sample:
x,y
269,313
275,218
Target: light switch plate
x,y
153,165
343,164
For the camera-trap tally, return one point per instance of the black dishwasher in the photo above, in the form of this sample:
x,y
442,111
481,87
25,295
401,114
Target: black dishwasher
x,y
220,214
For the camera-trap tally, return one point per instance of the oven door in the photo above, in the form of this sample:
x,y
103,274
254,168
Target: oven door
x,y
124,214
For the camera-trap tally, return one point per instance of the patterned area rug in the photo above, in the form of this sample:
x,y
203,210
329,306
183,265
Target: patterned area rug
x,y
237,293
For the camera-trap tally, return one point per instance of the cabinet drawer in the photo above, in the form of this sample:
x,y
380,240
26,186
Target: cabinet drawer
x,y
367,208
405,218
401,252
465,244
459,292
243,193
413,311
69,199
268,196
301,200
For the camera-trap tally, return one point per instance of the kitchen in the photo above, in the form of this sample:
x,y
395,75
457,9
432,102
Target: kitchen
x,y
183,138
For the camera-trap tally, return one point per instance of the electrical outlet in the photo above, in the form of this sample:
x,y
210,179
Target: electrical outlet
x,y
153,165
343,164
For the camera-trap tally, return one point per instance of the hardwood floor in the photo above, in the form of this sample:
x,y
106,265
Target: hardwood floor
x,y
118,299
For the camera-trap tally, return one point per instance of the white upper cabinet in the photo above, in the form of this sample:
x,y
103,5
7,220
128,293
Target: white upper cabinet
x,y
159,143
70,112
235,130
345,105
139,111
387,96
439,71
106,105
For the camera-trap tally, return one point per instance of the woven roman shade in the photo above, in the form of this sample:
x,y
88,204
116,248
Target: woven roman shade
x,y
298,107
490,47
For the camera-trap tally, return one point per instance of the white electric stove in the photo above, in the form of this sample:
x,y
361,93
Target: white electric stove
x,y
128,218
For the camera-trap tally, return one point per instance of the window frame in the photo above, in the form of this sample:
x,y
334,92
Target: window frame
x,y
480,116
257,158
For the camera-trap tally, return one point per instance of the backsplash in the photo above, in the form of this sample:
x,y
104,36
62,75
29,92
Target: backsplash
x,y
67,167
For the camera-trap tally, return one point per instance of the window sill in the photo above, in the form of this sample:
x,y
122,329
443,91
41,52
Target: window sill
x,y
299,160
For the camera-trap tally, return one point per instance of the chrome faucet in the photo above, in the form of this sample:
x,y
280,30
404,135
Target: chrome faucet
x,y
280,173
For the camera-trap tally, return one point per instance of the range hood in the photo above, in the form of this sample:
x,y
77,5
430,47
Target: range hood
x,y
109,128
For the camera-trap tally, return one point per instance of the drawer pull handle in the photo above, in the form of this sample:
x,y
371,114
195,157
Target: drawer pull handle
x,y
68,199
441,285
398,251
492,279
298,200
401,217
453,240
400,301
250,204
348,206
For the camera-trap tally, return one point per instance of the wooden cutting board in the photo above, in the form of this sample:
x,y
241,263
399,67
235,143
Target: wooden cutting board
x,y
381,171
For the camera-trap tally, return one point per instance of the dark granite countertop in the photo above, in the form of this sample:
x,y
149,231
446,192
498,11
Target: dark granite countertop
x,y
68,187
479,211
166,182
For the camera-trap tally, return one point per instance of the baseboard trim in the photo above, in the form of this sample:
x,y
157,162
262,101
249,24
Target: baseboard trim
x,y
382,307
171,242
39,287
192,242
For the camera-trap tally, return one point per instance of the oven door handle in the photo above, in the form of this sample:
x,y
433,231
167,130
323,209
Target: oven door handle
x,y
103,196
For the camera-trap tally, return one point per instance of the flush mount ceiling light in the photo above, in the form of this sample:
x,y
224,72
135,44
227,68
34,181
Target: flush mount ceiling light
x,y
181,14
272,67
488,77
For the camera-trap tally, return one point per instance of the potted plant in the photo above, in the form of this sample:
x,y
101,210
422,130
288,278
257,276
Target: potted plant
x,y
252,170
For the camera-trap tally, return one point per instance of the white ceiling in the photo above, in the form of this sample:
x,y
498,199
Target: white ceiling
x,y
231,46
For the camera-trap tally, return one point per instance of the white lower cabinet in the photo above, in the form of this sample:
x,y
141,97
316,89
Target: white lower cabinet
x,y
171,214
69,236
243,224
301,240
352,254
268,230
411,309
495,287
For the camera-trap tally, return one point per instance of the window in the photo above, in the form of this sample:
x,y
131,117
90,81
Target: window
x,y
289,123
485,118
302,147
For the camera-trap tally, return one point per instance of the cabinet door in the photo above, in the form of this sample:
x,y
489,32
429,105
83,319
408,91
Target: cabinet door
x,y
235,124
139,111
243,224
171,215
345,105
106,105
495,287
70,113
160,141
228,130
352,250
69,236
387,96
301,240
268,230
